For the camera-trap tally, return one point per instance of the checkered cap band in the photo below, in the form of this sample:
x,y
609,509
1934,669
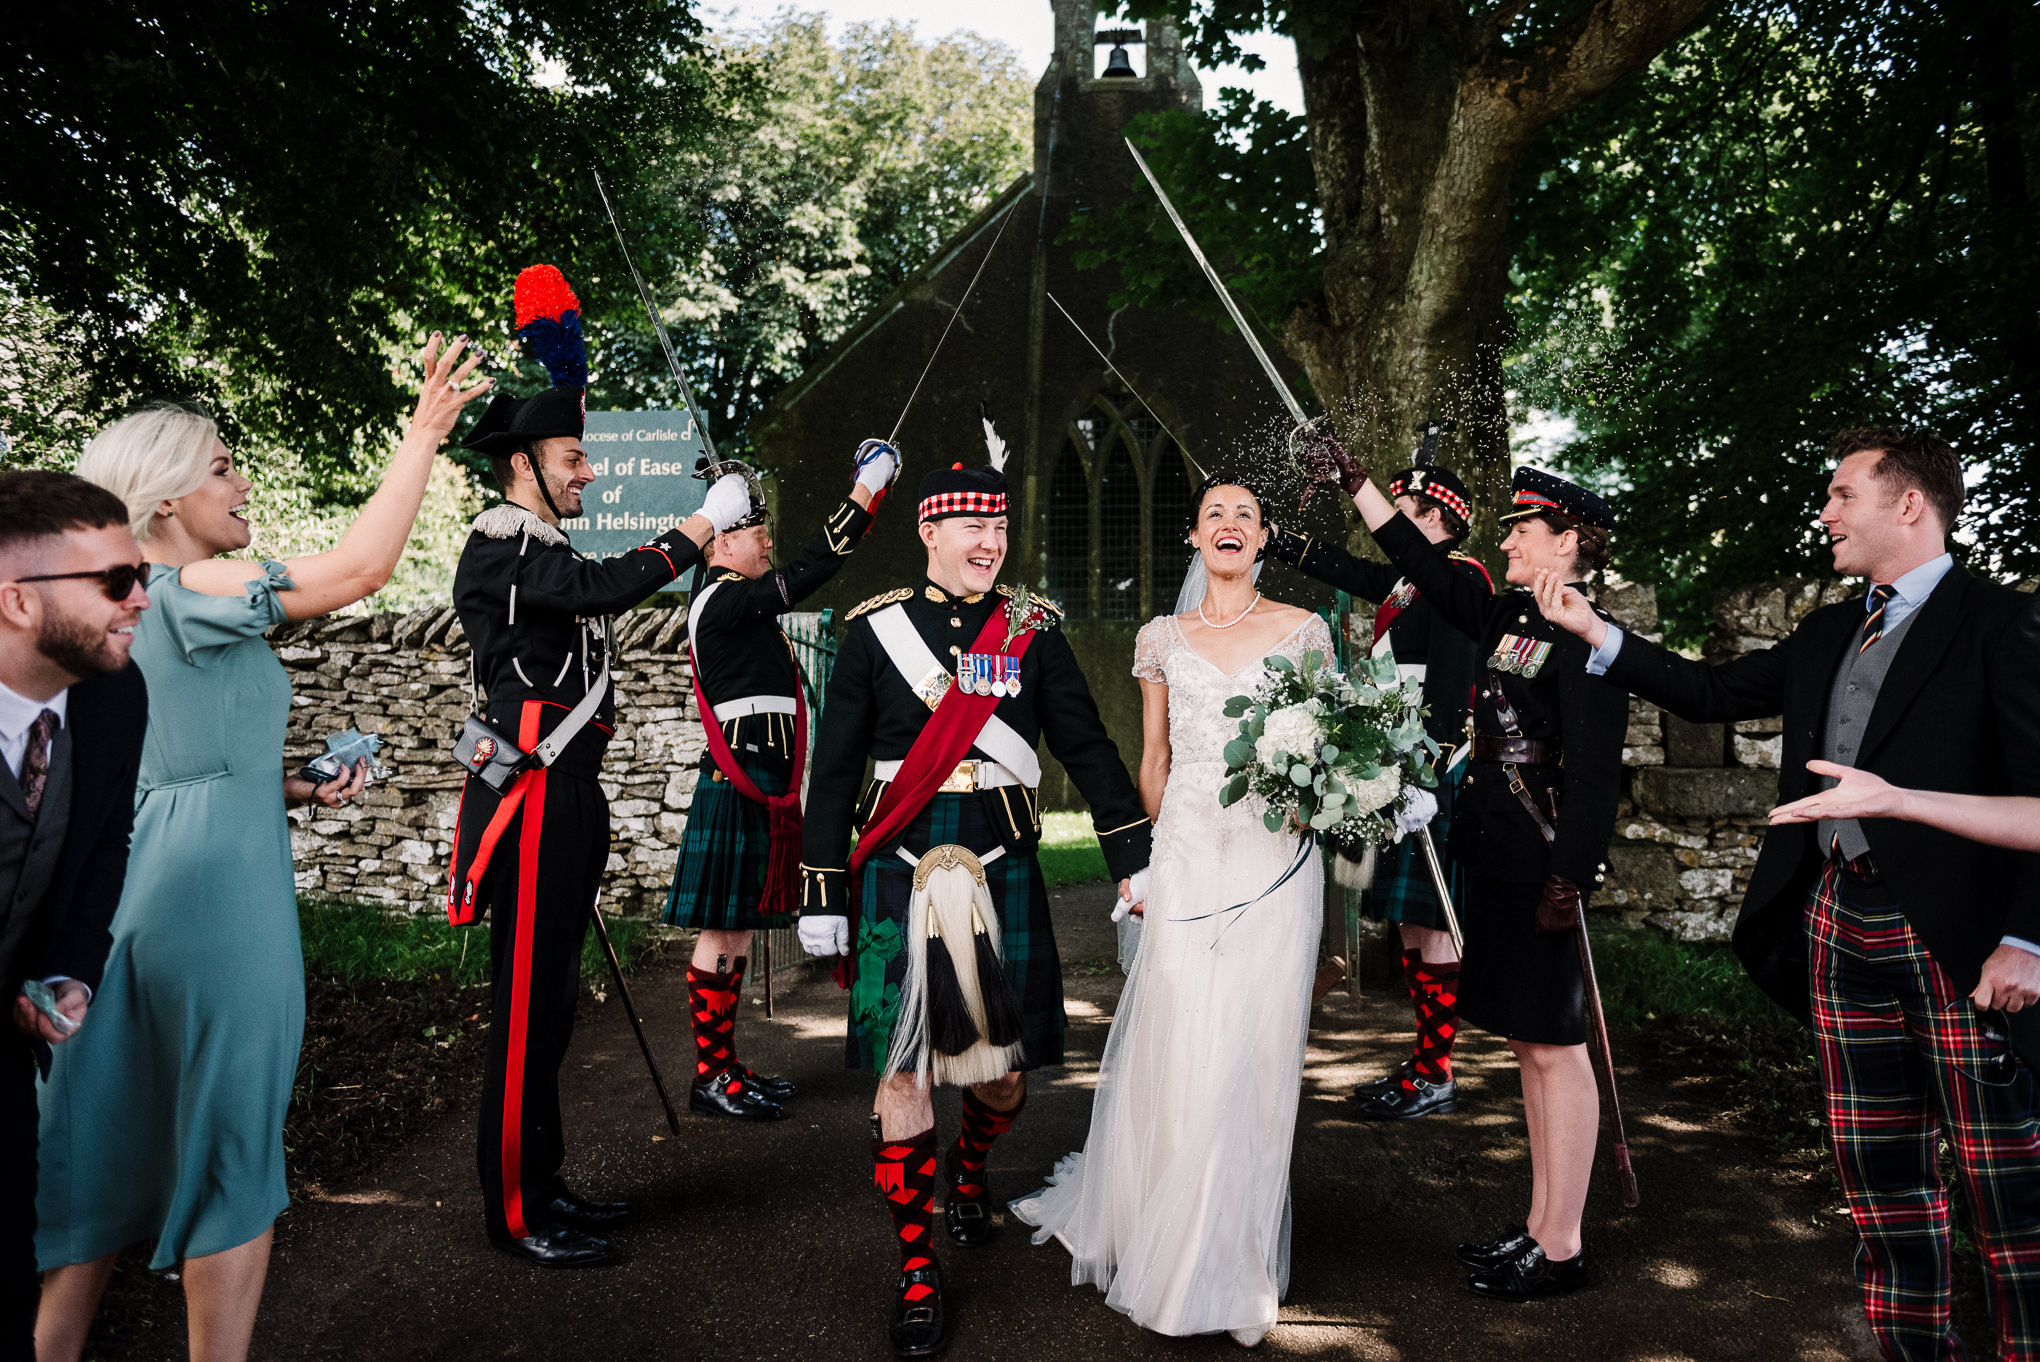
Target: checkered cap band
x,y
963,503
1436,491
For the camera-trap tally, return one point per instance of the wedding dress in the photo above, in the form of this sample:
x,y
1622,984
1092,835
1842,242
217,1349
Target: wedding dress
x,y
1178,1205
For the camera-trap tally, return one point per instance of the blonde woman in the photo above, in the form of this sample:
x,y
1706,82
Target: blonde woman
x,y
164,1122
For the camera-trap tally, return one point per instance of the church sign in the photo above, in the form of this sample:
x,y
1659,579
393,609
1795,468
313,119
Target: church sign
x,y
643,462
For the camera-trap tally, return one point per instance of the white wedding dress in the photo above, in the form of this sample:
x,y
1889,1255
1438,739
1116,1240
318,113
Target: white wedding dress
x,y
1178,1205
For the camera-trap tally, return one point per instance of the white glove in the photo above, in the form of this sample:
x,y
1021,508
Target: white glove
x,y
1417,811
727,502
878,473
1137,888
825,935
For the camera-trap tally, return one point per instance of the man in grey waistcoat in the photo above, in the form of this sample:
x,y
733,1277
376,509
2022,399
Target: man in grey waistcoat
x,y
73,711
1914,953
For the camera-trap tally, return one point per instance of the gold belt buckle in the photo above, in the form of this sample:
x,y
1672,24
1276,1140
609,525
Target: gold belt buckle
x,y
963,780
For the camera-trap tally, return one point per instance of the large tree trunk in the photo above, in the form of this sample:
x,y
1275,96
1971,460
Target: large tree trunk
x,y
1417,120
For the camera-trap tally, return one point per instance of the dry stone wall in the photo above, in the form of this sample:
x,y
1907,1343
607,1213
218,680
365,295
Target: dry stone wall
x,y
405,677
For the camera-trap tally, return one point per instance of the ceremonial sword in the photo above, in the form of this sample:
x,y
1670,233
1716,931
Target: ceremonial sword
x,y
1124,379
1005,221
658,329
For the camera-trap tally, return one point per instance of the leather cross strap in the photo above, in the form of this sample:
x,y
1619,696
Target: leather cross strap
x,y
1527,751
1506,714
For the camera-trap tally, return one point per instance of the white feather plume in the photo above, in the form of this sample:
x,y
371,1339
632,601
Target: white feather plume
x,y
994,446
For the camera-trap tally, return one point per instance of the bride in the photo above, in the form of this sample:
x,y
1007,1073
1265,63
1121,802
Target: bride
x,y
1178,1205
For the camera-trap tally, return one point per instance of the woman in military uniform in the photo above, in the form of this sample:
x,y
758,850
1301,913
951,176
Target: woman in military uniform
x,y
1531,832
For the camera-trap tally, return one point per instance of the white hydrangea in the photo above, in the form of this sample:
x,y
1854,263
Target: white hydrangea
x,y
1294,730
1379,792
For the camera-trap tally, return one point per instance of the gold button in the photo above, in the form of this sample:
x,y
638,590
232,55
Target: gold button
x,y
955,623
955,651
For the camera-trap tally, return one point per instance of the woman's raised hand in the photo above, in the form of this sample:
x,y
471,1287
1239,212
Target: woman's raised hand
x,y
1858,795
441,397
1565,607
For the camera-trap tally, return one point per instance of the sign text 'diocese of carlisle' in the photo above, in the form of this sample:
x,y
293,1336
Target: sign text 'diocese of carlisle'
x,y
644,485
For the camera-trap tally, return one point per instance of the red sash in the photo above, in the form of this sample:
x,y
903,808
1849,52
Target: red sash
x,y
952,728
782,869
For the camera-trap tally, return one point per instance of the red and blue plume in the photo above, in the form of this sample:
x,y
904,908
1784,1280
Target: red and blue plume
x,y
549,324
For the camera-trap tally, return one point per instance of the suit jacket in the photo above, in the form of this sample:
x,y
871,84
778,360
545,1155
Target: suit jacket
x,y
1958,711
72,930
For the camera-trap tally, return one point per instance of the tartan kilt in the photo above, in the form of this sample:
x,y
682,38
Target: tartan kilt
x,y
1402,890
1033,968
720,875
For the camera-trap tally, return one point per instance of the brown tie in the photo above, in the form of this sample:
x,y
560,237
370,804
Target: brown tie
x,y
35,763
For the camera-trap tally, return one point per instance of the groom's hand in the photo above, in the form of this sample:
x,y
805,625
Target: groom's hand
x,y
825,935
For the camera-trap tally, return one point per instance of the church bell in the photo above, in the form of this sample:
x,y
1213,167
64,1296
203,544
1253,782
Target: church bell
x,y
1117,63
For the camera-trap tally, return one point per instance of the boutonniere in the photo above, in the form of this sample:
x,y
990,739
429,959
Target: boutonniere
x,y
1024,612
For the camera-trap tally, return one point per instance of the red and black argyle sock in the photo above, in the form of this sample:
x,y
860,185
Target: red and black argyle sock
x,y
712,998
982,1124
1437,1020
904,1173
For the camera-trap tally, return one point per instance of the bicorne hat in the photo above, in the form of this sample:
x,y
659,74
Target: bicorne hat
x,y
1541,493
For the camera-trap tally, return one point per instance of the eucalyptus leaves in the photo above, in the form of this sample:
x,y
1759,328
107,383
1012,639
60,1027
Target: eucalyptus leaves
x,y
1329,753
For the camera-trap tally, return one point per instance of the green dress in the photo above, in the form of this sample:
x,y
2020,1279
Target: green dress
x,y
163,1119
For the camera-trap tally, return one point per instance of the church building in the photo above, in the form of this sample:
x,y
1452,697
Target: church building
x,y
1100,478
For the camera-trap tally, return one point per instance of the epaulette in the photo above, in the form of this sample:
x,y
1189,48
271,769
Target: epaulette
x,y
1474,563
1053,607
508,520
882,598
732,575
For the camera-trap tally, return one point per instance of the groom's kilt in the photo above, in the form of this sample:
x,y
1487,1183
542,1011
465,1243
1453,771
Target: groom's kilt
x,y
1033,969
1403,890
721,872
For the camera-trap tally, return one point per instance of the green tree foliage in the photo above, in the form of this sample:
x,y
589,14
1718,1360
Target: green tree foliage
x,y
833,171
265,205
1807,216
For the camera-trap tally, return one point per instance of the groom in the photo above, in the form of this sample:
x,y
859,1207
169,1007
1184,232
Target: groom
x,y
948,686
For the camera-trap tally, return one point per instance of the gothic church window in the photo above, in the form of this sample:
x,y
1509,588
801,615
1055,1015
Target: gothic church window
x,y
1118,499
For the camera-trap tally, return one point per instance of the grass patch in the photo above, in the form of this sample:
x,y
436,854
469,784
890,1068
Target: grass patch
x,y
366,941
1069,850
1646,975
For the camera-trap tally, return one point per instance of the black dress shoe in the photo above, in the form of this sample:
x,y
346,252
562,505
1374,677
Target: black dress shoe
x,y
1530,1276
578,1213
920,1322
1510,1243
968,1217
731,1094
1407,1101
772,1085
558,1246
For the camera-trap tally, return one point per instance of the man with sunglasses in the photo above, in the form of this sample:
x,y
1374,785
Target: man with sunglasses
x,y
72,715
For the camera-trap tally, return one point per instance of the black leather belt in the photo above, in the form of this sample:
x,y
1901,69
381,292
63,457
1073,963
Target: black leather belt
x,y
1517,751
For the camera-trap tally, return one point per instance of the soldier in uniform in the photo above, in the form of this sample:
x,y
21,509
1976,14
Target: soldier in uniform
x,y
739,866
536,616
1533,819
948,685
1442,658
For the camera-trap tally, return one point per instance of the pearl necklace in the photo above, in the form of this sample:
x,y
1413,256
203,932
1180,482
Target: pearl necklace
x,y
1234,620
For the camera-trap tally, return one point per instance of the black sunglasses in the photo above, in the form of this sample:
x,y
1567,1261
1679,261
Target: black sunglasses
x,y
118,581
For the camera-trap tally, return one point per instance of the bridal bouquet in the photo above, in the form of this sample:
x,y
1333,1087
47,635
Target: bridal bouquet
x,y
1330,753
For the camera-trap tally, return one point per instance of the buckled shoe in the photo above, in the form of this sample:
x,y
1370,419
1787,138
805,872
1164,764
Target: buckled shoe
x,y
967,1214
1530,1276
772,1085
1393,1078
920,1322
730,1094
1408,1100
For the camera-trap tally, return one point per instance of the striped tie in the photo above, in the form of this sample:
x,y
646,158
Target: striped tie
x,y
1873,627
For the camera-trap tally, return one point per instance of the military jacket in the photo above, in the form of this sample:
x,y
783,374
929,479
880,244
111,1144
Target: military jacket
x,y
1416,636
1587,716
533,610
737,640
872,711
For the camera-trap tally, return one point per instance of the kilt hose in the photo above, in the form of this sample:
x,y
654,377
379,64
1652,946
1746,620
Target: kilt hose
x,y
538,890
720,876
1903,1063
1031,964
1402,890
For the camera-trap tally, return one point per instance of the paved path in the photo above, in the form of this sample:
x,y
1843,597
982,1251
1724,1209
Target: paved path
x,y
767,1242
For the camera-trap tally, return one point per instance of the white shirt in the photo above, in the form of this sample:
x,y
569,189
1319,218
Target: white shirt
x,y
17,716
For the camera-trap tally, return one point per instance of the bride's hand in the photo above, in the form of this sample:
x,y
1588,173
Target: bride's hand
x,y
1132,896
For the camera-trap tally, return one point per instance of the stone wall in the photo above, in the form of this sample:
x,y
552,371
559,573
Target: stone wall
x,y
405,677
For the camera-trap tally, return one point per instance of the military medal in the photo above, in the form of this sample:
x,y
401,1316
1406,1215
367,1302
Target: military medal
x,y
989,674
1399,599
1523,656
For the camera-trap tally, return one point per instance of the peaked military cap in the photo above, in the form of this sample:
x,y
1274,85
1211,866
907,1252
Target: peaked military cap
x,y
1539,492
